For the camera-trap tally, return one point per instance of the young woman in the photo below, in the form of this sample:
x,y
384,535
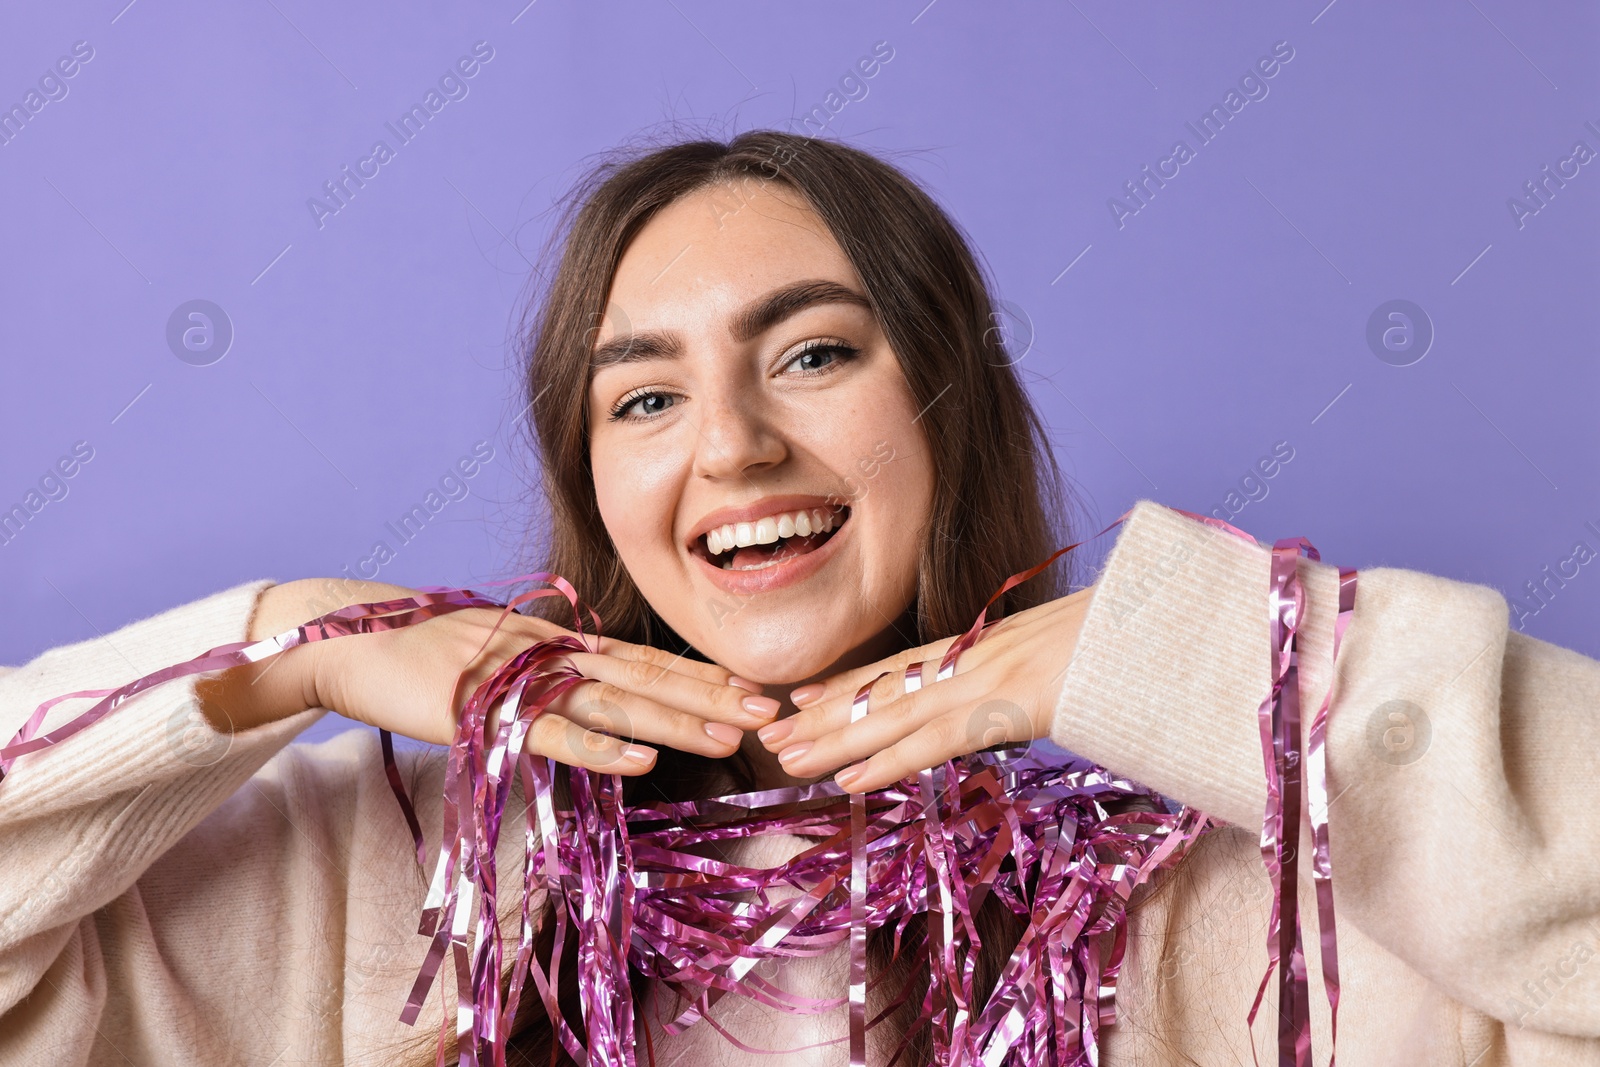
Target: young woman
x,y
784,451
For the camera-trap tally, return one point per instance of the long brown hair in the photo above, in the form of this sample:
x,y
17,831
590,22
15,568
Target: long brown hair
x,y
998,505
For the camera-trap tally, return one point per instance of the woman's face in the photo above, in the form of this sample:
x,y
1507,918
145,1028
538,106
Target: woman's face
x,y
741,391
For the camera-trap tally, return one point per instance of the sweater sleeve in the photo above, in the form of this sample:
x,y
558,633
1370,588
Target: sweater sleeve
x,y
1460,753
79,821
178,895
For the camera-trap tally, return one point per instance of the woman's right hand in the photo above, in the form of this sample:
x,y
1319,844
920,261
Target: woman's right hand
x,y
405,681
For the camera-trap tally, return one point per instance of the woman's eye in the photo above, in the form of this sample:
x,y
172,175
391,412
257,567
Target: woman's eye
x,y
642,406
821,357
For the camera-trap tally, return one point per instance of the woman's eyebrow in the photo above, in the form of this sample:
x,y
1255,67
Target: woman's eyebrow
x,y
762,314
749,322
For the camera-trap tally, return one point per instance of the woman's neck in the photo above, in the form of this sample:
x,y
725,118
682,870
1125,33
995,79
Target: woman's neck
x,y
769,773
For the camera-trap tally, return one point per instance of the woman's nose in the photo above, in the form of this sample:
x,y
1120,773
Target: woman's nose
x,y
736,436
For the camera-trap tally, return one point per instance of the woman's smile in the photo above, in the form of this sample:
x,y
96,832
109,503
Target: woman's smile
x,y
777,549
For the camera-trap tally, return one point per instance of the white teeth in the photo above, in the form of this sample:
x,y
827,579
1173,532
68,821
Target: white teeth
x,y
771,528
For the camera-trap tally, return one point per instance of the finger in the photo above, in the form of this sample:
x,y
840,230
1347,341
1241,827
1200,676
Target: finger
x,y
709,700
661,659
834,710
640,667
598,705
843,686
524,630
944,738
566,742
883,727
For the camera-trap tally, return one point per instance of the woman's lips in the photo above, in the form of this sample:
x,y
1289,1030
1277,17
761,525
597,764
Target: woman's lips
x,y
786,571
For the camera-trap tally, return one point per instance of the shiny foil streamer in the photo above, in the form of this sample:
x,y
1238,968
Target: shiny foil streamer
x,y
1279,717
1054,841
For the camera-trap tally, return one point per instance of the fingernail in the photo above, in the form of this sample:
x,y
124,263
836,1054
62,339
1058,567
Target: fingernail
x,y
637,754
775,731
744,683
794,752
846,776
765,707
806,694
721,731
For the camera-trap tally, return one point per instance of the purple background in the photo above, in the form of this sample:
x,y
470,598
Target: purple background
x,y
1169,354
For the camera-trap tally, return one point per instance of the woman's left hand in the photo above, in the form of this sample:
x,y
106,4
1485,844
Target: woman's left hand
x,y
1005,688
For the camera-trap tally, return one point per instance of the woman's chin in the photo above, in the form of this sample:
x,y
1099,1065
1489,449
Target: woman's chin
x,y
790,667
788,653
774,676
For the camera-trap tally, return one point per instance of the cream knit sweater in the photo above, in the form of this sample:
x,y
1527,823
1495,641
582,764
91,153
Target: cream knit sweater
x,y
171,895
